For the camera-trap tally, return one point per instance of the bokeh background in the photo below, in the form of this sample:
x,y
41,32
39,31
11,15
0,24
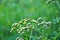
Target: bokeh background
x,y
12,11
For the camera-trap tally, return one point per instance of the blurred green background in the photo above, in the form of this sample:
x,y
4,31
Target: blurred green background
x,y
12,11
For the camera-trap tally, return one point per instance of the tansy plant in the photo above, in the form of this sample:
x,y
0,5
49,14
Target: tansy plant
x,y
30,29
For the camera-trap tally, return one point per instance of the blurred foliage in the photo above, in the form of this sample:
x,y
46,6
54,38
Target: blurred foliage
x,y
30,29
12,11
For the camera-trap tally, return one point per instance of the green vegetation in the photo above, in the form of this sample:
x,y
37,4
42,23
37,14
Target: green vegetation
x,y
29,29
13,11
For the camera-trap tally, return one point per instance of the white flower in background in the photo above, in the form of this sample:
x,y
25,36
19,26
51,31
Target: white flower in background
x,y
18,38
34,21
12,29
48,22
39,18
48,1
14,25
42,22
